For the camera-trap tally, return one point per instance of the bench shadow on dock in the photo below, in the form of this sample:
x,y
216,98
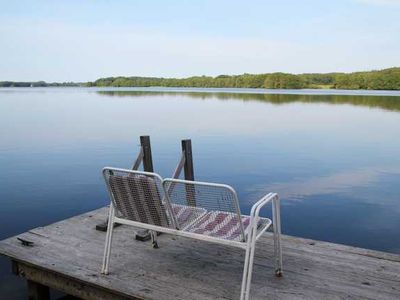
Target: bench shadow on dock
x,y
67,256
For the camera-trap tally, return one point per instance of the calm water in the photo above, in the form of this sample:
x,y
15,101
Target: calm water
x,y
334,159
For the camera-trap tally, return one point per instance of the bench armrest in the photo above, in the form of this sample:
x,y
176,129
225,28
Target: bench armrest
x,y
255,210
255,215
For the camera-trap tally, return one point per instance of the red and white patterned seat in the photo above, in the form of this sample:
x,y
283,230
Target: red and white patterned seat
x,y
185,215
224,225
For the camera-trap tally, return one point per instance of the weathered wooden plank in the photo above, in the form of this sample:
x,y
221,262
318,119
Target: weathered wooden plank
x,y
189,269
64,284
325,263
75,260
324,267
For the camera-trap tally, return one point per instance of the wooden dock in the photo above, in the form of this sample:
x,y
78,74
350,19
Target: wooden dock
x,y
67,256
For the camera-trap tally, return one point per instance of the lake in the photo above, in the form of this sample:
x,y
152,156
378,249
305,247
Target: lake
x,y
333,156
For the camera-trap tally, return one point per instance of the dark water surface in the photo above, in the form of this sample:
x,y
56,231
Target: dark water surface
x,y
334,159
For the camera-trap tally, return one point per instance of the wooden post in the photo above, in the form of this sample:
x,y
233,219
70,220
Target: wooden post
x,y
144,234
148,167
188,170
37,291
147,157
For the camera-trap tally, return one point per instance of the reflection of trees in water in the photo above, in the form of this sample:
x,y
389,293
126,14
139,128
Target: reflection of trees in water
x,y
391,103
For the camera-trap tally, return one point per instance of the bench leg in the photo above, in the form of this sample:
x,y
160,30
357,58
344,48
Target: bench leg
x,y
243,289
276,220
37,291
252,242
248,262
107,247
153,235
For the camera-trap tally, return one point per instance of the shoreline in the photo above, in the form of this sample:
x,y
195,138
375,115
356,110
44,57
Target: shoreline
x,y
261,91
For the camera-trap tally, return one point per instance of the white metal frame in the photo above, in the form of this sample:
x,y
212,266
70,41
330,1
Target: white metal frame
x,y
249,244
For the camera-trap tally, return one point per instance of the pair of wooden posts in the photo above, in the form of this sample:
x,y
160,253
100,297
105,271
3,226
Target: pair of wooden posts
x,y
146,158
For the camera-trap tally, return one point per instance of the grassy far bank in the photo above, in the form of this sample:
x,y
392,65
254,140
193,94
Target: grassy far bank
x,y
387,79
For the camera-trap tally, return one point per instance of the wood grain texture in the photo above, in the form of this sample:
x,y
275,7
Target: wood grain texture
x,y
67,256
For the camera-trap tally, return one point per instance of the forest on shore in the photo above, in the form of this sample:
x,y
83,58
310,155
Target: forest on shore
x,y
386,79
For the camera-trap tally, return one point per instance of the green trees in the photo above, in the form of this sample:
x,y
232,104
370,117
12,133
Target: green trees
x,y
283,81
388,79
222,81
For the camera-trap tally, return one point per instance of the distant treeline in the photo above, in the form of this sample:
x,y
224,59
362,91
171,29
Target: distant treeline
x,y
387,79
38,84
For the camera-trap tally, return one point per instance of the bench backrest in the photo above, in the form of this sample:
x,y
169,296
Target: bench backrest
x,y
138,196
215,208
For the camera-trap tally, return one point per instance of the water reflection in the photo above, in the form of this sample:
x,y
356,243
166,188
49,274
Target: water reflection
x,y
391,103
343,182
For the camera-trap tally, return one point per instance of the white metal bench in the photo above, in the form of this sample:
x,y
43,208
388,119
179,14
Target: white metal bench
x,y
199,210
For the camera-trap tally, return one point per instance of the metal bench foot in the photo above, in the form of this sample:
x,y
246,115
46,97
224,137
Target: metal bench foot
x,y
278,273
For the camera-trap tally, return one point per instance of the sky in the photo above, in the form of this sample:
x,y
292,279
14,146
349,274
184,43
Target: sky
x,y
85,40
